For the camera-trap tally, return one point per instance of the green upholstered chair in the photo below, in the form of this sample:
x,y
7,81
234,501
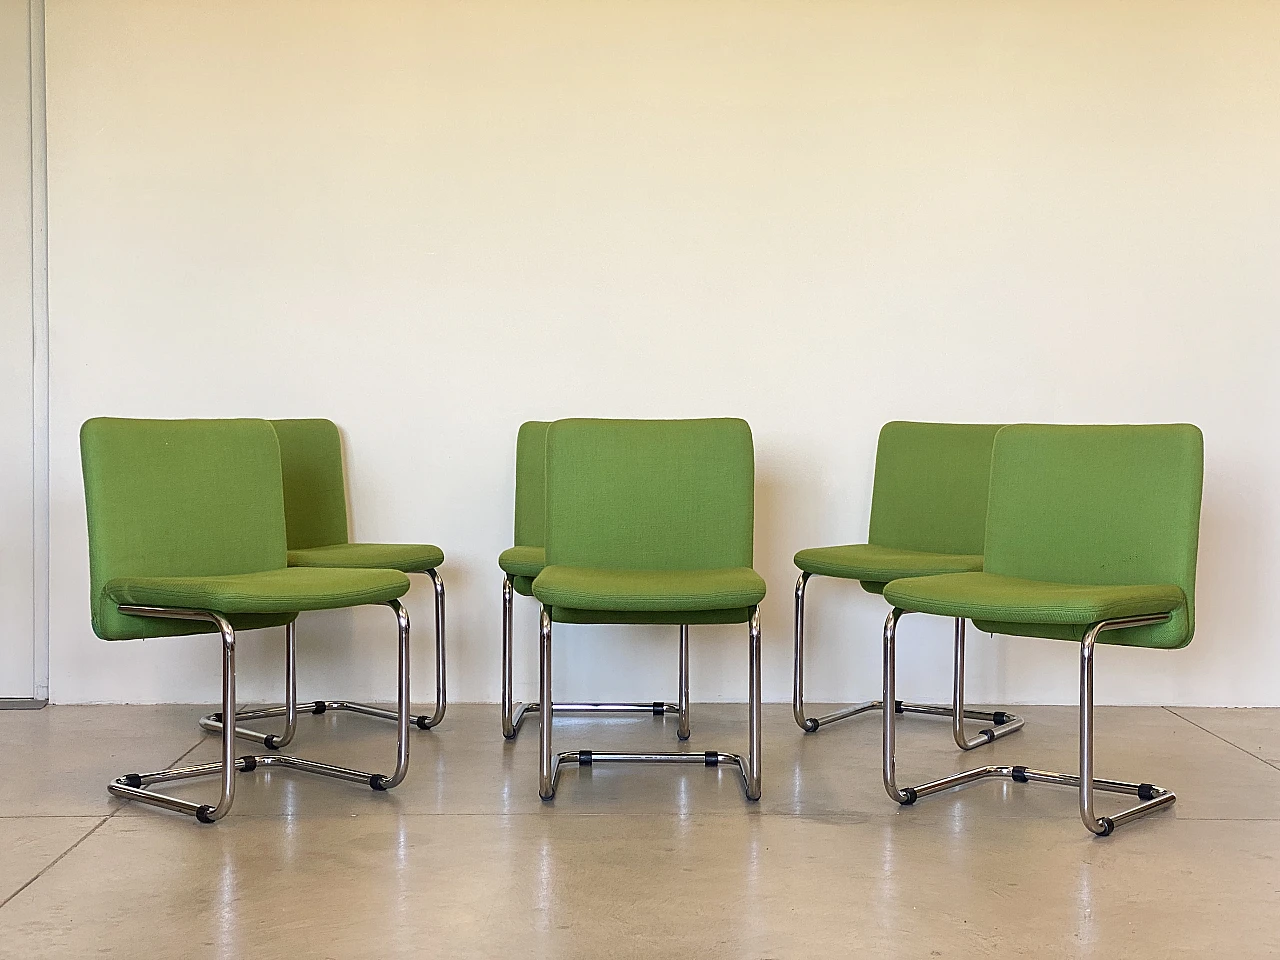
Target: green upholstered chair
x,y
315,506
1091,537
649,521
187,536
521,563
928,511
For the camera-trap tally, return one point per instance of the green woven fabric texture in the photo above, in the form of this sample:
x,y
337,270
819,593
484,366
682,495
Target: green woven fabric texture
x,y
1085,506
406,557
315,495
989,596
522,561
273,591
523,585
930,488
184,498
629,499
639,591
875,566
531,484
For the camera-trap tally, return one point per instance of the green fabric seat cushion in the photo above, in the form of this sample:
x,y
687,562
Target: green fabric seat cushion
x,y
287,590
406,557
1002,604
526,562
692,617
875,566
649,591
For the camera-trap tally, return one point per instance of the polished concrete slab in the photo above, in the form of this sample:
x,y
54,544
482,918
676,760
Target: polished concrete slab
x,y
464,860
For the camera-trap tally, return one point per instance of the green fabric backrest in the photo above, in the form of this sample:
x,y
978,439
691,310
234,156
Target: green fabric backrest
x,y
930,489
531,483
650,494
178,498
1100,505
315,492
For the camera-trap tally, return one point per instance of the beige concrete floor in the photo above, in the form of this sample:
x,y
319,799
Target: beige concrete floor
x,y
464,860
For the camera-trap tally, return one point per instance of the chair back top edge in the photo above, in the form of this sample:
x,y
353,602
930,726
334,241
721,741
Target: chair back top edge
x,y
650,494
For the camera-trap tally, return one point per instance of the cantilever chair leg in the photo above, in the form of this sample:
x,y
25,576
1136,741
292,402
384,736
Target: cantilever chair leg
x,y
1151,796
514,714
1002,722
550,764
133,786
289,709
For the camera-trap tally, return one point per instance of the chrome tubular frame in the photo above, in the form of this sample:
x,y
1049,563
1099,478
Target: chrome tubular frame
x,y
1002,722
550,764
133,786
514,714
1152,796
289,709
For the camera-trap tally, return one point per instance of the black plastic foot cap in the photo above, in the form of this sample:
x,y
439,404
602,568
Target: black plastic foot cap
x,y
659,709
377,781
1107,826
909,796
271,741
132,780
1019,774
897,707
1146,791
247,764
204,813
319,707
810,725
584,758
217,718
422,723
682,736
1000,718
989,734
711,758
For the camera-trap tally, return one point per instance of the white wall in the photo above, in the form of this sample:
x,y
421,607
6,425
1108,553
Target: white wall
x,y
432,221
18,660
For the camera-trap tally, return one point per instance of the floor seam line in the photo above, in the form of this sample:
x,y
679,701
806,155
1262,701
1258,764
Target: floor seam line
x,y
1250,753
56,860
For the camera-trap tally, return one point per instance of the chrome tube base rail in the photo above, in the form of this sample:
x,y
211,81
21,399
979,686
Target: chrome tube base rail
x,y
1151,796
551,764
515,713
289,709
133,786
1002,723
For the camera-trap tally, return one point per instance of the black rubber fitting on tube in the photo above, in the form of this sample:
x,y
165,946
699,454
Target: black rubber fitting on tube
x,y
584,758
989,734
909,796
1107,826
271,741
659,709
217,717
377,781
1146,791
897,707
999,718
810,725
319,707
248,764
711,758
1019,774
422,723
204,813
132,780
